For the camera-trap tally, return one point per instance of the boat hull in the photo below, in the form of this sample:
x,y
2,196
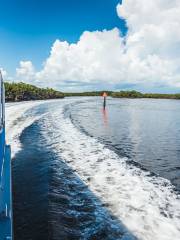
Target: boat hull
x,y
6,197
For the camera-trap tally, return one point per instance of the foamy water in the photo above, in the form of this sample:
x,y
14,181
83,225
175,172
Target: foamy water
x,y
19,117
17,121
147,205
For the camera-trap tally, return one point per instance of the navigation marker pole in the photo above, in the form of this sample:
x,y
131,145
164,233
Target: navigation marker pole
x,y
104,103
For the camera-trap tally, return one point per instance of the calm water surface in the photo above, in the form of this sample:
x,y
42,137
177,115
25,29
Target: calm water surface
x,y
147,131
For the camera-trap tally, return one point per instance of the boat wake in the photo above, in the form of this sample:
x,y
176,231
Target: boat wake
x,y
148,206
16,121
21,115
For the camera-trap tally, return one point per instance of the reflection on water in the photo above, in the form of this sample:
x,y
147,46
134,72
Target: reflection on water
x,y
105,116
147,131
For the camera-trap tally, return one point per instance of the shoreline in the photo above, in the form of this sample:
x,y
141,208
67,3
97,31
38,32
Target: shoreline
x,y
33,100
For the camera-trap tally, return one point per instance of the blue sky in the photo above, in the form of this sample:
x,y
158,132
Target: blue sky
x,y
112,44
28,28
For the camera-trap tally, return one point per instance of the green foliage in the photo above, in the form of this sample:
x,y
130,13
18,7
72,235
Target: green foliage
x,y
127,94
86,94
25,92
135,94
162,95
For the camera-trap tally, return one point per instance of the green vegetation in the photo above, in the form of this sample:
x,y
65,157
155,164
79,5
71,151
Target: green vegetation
x,y
135,94
86,94
126,94
25,92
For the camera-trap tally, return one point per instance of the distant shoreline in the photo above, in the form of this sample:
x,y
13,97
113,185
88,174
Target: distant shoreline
x,y
126,94
18,92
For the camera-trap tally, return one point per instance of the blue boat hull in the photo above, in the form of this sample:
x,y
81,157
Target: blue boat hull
x,y
6,197
5,174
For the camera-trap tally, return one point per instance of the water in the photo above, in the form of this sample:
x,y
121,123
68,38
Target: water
x,y
146,131
83,173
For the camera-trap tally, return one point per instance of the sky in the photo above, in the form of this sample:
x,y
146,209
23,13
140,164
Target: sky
x,y
92,44
29,28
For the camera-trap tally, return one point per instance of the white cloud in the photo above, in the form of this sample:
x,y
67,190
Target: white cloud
x,y
148,55
3,72
26,71
95,57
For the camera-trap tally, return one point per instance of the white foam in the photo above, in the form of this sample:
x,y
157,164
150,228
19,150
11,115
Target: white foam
x,y
17,121
148,206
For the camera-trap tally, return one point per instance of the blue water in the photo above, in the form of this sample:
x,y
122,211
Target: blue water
x,y
80,172
147,131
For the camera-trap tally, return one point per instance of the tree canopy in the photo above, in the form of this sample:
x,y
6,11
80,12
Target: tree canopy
x,y
24,92
135,94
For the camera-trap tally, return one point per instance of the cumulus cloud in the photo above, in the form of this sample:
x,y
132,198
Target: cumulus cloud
x,y
148,55
26,71
3,72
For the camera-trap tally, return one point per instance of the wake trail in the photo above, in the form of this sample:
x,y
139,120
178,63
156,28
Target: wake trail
x,y
17,120
147,205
